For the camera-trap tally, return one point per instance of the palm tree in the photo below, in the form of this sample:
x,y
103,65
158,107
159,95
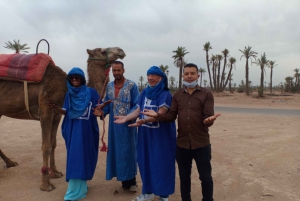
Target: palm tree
x,y
223,81
219,58
250,83
145,85
179,61
271,65
172,84
206,48
288,83
296,75
234,85
261,62
247,53
230,79
250,86
172,81
297,80
225,55
141,79
17,46
201,71
164,69
231,63
204,82
213,61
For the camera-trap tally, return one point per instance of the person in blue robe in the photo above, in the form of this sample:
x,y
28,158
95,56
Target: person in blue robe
x,y
121,155
80,132
156,140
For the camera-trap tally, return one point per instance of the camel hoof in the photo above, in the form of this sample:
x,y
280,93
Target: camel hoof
x,y
56,175
48,187
53,187
11,164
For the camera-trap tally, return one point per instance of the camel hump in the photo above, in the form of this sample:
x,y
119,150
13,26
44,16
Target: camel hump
x,y
24,67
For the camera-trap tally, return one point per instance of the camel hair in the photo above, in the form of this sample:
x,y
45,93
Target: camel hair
x,y
51,89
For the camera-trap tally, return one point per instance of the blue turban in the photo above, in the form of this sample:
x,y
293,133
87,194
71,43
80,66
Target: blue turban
x,y
79,97
153,92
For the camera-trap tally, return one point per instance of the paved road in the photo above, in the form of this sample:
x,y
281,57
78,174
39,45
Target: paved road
x,y
281,112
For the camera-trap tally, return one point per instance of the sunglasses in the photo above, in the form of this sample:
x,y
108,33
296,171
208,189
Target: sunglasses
x,y
76,77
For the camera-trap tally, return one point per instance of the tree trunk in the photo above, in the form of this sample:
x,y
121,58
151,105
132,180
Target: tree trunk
x,y
215,76
180,76
200,79
247,78
261,91
229,73
207,63
223,77
218,77
271,74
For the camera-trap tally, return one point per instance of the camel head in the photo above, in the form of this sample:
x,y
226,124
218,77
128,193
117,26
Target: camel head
x,y
106,54
98,62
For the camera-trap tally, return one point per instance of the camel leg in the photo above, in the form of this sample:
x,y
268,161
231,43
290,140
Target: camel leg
x,y
55,172
46,120
9,163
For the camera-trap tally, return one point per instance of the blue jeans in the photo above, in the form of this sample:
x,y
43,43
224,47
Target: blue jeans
x,y
202,157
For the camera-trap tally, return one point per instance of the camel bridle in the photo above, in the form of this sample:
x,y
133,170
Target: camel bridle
x,y
100,59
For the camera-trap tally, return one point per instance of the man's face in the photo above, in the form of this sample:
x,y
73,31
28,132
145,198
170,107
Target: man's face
x,y
190,74
118,71
153,79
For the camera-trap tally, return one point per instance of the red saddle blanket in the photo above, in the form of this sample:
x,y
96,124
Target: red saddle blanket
x,y
24,67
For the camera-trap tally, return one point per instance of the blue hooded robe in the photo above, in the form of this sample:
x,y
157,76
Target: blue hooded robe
x,y
81,132
156,140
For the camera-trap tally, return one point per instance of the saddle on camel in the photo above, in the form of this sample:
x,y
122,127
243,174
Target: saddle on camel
x,y
28,83
24,67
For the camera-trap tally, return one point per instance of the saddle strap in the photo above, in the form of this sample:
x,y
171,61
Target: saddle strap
x,y
26,98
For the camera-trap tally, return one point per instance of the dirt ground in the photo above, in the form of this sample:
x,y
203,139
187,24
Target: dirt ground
x,y
254,157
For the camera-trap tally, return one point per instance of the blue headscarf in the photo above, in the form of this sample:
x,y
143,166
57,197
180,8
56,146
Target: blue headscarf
x,y
153,92
79,97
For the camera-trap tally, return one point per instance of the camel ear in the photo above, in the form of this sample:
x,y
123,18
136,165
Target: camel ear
x,y
90,52
103,50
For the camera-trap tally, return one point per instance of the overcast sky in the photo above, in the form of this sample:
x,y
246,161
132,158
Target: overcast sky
x,y
148,31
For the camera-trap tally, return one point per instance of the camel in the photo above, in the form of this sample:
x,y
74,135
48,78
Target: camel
x,y
51,89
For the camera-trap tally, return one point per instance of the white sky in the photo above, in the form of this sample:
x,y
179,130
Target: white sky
x,y
148,31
